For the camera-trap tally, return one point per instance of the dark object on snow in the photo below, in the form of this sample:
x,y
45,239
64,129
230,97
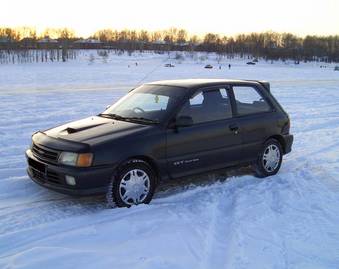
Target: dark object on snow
x,y
336,68
229,66
250,63
255,60
169,65
157,133
208,66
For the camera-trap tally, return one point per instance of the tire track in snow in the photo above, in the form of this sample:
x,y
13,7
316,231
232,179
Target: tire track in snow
x,y
221,231
27,239
210,234
42,212
24,215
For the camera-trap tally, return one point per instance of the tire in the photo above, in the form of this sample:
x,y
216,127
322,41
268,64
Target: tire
x,y
269,160
132,179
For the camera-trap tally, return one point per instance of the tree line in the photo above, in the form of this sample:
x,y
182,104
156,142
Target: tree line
x,y
268,45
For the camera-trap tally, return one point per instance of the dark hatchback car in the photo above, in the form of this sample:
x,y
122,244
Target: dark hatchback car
x,y
161,131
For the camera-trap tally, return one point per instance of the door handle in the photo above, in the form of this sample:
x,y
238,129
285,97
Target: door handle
x,y
234,128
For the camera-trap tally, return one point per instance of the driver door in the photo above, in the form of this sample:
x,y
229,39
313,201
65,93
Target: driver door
x,y
212,142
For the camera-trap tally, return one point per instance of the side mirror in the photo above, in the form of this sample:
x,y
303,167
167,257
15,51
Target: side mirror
x,y
184,121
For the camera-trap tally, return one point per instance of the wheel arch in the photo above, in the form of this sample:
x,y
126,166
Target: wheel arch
x,y
281,141
151,162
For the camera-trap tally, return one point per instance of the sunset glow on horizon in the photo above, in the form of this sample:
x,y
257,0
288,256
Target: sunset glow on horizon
x,y
224,17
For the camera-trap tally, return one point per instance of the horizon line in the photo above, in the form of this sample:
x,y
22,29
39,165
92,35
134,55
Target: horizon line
x,y
40,31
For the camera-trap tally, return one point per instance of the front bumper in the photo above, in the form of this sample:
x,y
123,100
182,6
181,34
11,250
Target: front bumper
x,y
89,180
288,141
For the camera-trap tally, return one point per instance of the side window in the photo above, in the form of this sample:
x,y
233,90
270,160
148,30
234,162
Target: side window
x,y
223,92
249,101
208,105
197,99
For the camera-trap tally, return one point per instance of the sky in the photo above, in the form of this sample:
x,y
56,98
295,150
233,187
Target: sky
x,y
300,17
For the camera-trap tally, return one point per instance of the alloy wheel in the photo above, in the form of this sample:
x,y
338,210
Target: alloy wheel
x,y
271,158
134,187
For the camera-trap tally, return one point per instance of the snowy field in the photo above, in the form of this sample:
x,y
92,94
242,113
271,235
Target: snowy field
x,y
290,220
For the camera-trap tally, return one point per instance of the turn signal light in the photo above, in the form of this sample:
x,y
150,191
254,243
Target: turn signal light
x,y
84,159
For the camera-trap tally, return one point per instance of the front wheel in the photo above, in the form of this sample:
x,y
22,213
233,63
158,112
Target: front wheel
x,y
133,184
269,159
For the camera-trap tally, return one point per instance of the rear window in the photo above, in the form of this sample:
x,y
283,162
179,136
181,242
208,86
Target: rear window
x,y
249,100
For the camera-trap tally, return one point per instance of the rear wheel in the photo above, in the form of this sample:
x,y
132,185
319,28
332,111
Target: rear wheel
x,y
133,184
269,159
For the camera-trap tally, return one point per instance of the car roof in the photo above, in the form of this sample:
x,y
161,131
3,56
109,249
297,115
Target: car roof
x,y
199,83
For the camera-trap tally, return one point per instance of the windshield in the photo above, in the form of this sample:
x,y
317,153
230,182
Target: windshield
x,y
151,103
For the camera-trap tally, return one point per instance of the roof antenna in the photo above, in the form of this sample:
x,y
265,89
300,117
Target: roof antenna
x,y
152,71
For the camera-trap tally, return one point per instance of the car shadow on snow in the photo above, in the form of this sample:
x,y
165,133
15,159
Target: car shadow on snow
x,y
168,188
165,189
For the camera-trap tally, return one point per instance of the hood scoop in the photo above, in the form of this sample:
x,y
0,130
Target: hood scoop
x,y
71,130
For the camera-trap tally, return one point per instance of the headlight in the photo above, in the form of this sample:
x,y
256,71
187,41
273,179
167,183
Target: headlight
x,y
68,158
76,159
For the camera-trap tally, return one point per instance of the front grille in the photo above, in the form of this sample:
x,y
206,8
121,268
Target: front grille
x,y
53,177
37,166
43,174
38,175
45,154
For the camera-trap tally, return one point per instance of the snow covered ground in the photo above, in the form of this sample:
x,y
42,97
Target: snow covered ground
x,y
290,220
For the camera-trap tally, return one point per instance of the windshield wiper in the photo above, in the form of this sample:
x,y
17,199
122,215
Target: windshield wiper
x,y
112,116
118,117
142,120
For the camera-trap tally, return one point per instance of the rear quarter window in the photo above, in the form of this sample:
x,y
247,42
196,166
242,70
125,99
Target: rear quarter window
x,y
249,100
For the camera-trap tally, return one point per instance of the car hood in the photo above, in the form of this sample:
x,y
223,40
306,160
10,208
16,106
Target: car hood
x,y
95,129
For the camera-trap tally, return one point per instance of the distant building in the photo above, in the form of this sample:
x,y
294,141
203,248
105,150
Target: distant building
x,y
5,43
47,43
160,45
47,40
28,43
181,44
5,40
89,43
27,39
159,42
